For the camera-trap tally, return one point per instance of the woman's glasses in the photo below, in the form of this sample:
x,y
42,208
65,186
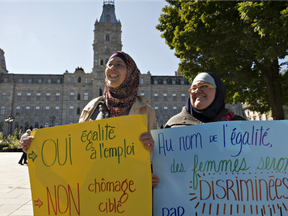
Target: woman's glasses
x,y
117,66
200,88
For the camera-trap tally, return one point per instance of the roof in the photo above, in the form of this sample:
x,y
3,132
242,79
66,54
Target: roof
x,y
108,13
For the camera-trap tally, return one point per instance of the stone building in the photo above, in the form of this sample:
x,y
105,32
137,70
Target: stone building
x,y
44,100
256,116
51,100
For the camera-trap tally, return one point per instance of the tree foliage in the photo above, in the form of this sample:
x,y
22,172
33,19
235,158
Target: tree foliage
x,y
240,41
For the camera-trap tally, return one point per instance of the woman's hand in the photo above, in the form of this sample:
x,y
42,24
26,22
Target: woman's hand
x,y
147,141
25,143
155,180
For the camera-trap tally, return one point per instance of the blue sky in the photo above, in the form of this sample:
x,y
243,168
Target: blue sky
x,y
52,36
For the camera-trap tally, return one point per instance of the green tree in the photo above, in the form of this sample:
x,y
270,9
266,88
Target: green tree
x,y
240,41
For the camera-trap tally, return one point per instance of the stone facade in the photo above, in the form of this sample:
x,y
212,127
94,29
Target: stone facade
x,y
2,62
256,116
51,100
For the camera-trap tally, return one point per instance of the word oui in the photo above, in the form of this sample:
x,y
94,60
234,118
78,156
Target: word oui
x,y
112,204
49,158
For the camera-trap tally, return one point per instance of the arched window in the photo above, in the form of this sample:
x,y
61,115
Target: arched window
x,y
100,92
27,111
78,97
107,37
106,61
156,111
57,110
101,62
79,79
18,110
85,96
71,110
47,110
71,96
78,111
2,110
37,110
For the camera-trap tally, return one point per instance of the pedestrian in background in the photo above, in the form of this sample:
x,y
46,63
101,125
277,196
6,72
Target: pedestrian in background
x,y
23,159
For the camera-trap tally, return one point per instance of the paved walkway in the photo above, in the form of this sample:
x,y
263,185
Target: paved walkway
x,y
15,194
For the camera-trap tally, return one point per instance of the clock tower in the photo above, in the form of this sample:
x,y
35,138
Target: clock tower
x,y
107,40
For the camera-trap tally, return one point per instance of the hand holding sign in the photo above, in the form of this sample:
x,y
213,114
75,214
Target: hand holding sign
x,y
98,166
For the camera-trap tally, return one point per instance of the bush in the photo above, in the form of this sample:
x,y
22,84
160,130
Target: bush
x,y
10,143
3,145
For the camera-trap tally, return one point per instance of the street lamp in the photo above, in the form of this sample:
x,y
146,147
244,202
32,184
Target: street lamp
x,y
9,119
52,118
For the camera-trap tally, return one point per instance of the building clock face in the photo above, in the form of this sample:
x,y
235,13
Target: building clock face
x,y
107,51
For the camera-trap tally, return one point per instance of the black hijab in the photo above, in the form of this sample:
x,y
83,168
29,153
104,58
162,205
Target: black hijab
x,y
215,108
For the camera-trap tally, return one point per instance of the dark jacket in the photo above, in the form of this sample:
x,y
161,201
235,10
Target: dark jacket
x,y
184,118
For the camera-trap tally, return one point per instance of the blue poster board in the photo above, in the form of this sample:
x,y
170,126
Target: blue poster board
x,y
222,168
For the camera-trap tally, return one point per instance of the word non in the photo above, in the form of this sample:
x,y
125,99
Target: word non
x,y
72,200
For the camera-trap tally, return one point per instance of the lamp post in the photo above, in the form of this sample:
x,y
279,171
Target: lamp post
x,y
9,119
52,118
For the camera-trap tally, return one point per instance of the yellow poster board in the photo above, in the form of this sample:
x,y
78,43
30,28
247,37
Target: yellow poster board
x,y
92,168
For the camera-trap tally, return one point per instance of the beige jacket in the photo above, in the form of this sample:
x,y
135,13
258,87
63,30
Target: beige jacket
x,y
139,107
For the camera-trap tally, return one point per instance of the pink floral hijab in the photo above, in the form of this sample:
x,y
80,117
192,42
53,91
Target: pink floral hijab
x,y
121,98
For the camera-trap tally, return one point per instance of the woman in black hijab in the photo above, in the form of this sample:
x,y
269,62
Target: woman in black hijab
x,y
205,104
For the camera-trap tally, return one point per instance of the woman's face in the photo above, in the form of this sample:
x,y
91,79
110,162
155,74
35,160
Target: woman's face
x,y
201,99
115,72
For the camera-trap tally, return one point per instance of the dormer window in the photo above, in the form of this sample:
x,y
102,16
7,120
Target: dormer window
x,y
107,37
